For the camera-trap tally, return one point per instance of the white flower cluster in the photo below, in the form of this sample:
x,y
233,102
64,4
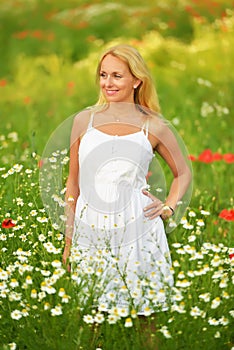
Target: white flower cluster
x,y
15,169
209,109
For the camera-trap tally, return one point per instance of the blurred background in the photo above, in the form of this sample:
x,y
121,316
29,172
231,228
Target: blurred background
x,y
49,51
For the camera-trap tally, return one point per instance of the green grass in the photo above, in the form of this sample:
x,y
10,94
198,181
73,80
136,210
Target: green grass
x,y
49,75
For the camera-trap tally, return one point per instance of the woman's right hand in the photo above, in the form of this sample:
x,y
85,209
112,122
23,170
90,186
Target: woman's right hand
x,y
66,254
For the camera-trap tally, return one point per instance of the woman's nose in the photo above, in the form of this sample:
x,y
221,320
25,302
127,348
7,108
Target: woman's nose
x,y
109,80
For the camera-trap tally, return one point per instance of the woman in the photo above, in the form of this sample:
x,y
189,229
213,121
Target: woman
x,y
109,206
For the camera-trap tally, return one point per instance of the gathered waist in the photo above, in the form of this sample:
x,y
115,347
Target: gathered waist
x,y
115,184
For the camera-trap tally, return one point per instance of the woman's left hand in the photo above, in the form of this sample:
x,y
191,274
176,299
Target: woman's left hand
x,y
156,208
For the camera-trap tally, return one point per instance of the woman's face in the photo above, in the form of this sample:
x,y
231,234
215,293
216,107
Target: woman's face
x,y
116,81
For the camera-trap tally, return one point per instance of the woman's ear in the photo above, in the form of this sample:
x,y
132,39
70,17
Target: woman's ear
x,y
137,83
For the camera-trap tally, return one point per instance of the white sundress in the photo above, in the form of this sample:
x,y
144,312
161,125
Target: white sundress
x,y
109,218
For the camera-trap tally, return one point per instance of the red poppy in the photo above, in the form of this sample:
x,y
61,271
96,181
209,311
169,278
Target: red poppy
x,y
231,256
70,84
171,24
191,157
8,223
91,38
217,156
27,100
228,157
206,156
227,215
21,35
82,24
188,8
3,82
38,34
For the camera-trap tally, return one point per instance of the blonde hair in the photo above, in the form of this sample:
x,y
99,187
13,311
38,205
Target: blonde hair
x,y
145,94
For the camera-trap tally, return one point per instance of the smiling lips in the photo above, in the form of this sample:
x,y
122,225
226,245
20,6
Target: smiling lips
x,y
111,92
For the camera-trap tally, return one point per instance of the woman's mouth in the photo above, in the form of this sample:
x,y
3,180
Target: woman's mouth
x,y
111,92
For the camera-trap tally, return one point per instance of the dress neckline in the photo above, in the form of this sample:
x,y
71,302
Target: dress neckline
x,y
115,135
121,136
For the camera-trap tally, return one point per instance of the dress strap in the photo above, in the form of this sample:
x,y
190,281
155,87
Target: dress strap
x,y
145,127
90,125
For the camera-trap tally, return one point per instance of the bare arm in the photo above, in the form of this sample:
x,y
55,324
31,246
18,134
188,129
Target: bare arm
x,y
72,185
169,149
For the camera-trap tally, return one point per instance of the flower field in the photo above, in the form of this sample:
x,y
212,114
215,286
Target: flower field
x,y
49,52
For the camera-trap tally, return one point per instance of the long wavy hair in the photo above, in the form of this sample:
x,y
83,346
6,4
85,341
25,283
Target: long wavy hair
x,y
145,94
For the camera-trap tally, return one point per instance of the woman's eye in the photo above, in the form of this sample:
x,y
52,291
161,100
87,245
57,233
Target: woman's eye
x,y
116,76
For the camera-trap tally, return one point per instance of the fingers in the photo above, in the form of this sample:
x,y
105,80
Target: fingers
x,y
154,209
66,261
150,195
68,266
152,212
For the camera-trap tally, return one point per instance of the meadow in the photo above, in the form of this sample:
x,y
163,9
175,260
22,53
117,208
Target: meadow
x,y
49,51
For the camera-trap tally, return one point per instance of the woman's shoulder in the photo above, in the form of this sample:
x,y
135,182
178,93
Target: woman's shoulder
x,y
157,124
81,120
83,116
